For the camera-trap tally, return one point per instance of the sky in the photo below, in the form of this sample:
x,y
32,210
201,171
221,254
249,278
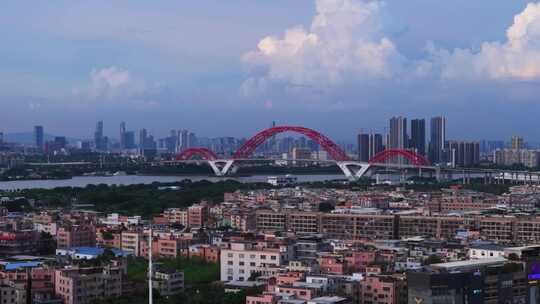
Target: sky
x,y
230,68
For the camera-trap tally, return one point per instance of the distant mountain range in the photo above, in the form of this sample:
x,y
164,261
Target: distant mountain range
x,y
28,138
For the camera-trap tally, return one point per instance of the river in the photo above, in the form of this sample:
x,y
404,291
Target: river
x,y
83,181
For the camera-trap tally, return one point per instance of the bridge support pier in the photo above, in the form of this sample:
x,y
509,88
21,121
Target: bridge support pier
x,y
221,167
353,170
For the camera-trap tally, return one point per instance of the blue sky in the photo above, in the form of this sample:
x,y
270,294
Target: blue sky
x,y
231,67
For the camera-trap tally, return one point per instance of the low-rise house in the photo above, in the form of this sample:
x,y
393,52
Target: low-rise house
x,y
168,282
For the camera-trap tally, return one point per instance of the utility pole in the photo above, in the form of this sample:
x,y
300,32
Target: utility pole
x,y
150,291
29,285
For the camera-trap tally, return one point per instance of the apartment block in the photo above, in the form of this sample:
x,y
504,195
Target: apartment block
x,y
197,215
240,260
85,285
383,289
168,282
131,242
176,216
76,236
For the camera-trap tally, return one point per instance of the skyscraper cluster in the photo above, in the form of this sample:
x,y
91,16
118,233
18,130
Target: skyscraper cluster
x,y
438,151
178,140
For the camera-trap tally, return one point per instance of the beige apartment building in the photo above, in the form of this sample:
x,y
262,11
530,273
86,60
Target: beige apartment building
x,y
505,229
240,260
131,241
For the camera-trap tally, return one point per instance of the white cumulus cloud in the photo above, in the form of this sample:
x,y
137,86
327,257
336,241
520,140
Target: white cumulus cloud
x,y
108,82
518,57
111,83
347,56
345,43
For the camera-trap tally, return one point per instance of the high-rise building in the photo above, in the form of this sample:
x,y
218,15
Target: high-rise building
x,y
418,136
129,140
183,140
375,144
147,144
100,141
192,140
369,145
398,133
39,138
143,134
363,147
517,143
1,138
123,135
463,153
437,139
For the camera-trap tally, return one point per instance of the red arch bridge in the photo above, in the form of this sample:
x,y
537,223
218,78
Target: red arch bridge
x,y
352,169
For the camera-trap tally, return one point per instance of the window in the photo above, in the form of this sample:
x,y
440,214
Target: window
x,y
230,255
241,263
273,257
263,257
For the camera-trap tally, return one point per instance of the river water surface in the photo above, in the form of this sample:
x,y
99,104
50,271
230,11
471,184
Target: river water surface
x,y
83,181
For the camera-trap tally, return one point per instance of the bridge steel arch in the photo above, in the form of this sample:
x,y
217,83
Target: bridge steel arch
x,y
204,153
247,149
414,158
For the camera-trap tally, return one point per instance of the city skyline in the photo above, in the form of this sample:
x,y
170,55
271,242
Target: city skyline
x,y
166,68
414,134
270,152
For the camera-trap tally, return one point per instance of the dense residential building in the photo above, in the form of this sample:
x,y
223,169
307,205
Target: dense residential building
x,y
510,157
242,259
76,236
22,242
131,242
176,216
383,289
85,285
168,282
516,143
197,215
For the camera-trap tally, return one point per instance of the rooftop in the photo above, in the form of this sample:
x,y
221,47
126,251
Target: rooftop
x,y
469,263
